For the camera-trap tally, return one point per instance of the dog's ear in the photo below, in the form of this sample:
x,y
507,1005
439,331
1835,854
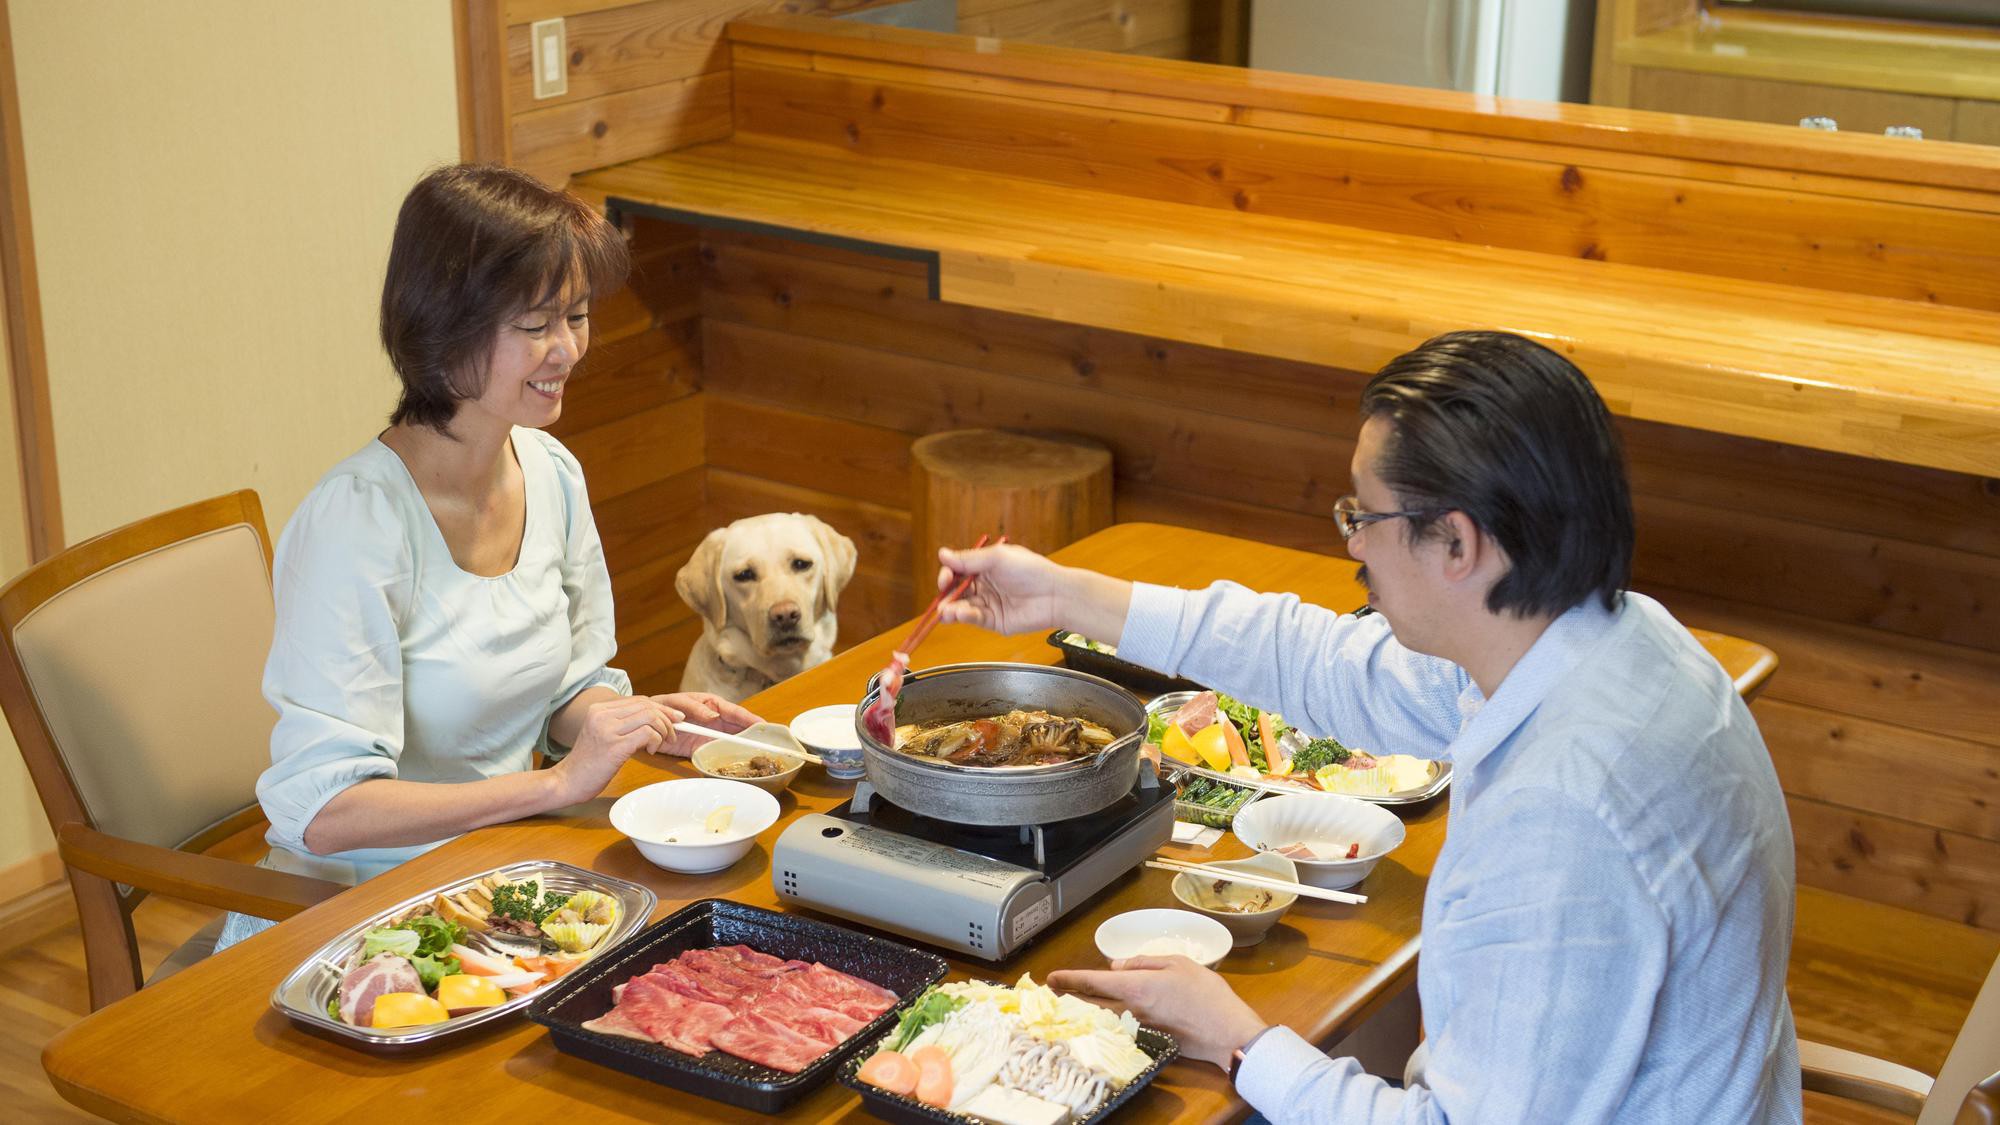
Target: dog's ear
x,y
836,570
699,582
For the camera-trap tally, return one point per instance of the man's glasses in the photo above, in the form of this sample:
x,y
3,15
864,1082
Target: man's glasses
x,y
1350,517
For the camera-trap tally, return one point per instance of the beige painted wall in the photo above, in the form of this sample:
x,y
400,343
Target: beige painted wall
x,y
213,185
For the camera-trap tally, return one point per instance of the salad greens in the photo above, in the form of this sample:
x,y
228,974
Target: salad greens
x,y
519,902
931,1007
425,941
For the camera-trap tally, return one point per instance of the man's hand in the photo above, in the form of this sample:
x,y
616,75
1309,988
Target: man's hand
x,y
1015,590
1177,996
703,710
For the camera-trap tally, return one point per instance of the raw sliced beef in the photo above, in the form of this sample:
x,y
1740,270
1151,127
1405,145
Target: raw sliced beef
x,y
823,1024
763,1040
781,1014
833,984
384,972
671,1019
618,1021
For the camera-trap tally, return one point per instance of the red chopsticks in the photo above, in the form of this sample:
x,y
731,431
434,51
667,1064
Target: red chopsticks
x,y
881,718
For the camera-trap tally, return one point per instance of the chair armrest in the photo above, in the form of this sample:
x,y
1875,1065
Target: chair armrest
x,y
1862,1078
1981,1105
223,883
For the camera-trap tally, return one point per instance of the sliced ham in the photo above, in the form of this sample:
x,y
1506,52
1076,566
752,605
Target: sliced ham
x,y
763,1040
1196,715
384,972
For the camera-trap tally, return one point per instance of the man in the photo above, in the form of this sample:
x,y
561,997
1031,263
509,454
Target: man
x,y
1607,926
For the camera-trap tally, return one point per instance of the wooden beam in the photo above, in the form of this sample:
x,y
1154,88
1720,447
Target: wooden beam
x,y
28,361
480,42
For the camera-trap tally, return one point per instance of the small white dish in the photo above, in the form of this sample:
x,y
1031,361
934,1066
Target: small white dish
x,y
1329,825
666,821
1247,928
829,732
1138,933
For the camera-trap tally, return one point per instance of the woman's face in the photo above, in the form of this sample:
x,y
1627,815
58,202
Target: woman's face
x,y
532,358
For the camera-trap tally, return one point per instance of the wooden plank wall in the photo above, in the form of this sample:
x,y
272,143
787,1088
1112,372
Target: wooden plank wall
x,y
1709,217
1878,585
634,420
654,76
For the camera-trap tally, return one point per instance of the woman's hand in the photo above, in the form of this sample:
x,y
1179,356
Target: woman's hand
x,y
1015,590
1174,994
613,731
703,710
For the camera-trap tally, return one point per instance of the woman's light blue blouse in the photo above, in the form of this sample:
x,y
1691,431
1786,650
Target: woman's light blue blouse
x,y
390,661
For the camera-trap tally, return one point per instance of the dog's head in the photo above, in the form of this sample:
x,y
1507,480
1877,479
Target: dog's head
x,y
773,576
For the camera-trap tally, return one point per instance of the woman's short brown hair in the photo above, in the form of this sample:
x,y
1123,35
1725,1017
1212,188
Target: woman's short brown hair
x,y
476,244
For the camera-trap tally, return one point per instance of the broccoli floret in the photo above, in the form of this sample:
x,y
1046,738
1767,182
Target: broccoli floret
x,y
1319,753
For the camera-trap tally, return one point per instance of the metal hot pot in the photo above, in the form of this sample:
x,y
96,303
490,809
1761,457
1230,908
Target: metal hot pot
x,y
1006,795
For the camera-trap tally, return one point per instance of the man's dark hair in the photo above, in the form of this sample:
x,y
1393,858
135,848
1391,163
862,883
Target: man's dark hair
x,y
474,245
1508,432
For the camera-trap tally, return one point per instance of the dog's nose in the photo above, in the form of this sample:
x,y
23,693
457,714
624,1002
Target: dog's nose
x,y
785,615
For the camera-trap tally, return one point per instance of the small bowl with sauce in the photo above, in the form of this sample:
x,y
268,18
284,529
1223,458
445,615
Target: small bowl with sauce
x,y
1247,912
772,770
1164,933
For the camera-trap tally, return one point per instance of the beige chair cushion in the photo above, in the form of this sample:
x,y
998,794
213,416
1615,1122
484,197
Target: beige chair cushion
x,y
148,674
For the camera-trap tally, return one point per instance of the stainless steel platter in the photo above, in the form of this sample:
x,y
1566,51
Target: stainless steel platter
x,y
1440,770
1006,795
303,995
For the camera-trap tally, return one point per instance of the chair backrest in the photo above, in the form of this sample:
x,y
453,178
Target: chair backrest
x,y
130,667
1973,1058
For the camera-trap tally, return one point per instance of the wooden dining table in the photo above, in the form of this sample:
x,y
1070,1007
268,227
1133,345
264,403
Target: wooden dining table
x,y
205,1045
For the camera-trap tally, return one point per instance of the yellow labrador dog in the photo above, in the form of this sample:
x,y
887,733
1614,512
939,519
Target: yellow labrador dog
x,y
766,588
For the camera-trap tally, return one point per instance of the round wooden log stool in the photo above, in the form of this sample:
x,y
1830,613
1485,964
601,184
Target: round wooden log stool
x,y
1040,492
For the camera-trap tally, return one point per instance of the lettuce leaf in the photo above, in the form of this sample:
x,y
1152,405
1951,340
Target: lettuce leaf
x,y
400,940
431,970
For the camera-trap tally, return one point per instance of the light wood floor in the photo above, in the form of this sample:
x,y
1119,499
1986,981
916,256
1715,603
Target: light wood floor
x,y
1869,978
42,991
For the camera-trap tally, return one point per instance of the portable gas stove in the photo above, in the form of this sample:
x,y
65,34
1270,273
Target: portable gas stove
x,y
981,891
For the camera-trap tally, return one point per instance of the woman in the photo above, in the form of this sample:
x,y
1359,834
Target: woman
x,y
443,609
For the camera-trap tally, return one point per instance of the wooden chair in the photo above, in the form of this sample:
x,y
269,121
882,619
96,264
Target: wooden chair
x,y
130,667
1748,663
1964,1092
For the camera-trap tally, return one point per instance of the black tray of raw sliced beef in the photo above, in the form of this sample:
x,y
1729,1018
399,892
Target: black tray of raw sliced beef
x,y
733,978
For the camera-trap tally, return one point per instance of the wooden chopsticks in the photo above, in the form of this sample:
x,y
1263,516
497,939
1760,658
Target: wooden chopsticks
x,y
1255,879
881,717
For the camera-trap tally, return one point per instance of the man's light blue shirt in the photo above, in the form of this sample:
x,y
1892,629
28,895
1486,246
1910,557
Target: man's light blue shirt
x,y
1607,927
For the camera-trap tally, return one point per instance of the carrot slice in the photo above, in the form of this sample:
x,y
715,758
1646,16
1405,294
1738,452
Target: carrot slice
x,y
892,1071
1267,733
933,1075
1239,754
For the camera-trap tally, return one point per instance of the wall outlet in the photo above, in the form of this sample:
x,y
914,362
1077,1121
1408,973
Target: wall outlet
x,y
548,45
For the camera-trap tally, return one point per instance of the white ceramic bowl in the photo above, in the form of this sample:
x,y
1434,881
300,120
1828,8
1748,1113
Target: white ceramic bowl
x,y
829,732
710,757
665,821
1140,932
1245,928
1328,824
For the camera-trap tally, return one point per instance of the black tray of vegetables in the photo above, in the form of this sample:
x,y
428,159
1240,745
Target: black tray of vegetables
x,y
1085,655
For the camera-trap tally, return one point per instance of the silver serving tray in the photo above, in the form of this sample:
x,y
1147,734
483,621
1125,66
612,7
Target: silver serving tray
x,y
302,997
1440,769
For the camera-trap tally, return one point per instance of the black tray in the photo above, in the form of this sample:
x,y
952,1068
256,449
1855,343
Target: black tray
x,y
895,1107
585,994
1138,677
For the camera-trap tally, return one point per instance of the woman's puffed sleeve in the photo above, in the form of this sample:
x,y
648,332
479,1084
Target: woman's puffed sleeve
x,y
343,579
587,585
